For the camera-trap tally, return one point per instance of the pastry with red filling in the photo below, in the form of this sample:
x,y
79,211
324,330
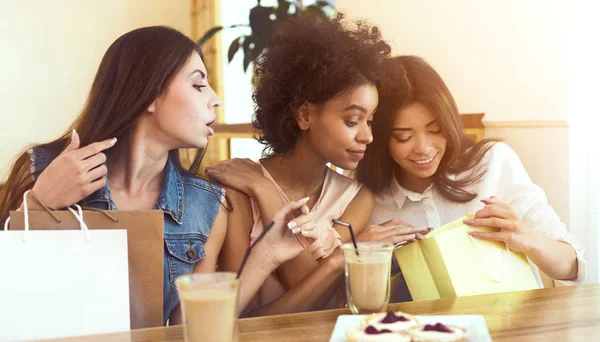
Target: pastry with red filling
x,y
438,333
395,321
372,334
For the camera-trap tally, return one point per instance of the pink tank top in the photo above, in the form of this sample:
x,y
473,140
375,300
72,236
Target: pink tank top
x,y
338,191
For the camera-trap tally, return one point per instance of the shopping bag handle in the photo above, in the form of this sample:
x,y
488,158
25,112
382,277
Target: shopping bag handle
x,y
25,216
111,217
6,224
50,210
42,204
485,266
79,216
27,193
38,201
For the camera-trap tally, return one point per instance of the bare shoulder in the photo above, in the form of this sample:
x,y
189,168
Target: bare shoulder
x,y
239,228
360,209
365,196
237,199
240,214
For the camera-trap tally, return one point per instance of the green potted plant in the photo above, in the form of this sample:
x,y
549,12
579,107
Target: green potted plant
x,y
263,22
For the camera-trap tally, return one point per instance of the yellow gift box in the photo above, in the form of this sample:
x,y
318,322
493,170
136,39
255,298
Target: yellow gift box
x,y
450,263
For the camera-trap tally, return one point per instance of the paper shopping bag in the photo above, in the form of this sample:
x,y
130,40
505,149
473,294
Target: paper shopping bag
x,y
450,263
58,283
145,229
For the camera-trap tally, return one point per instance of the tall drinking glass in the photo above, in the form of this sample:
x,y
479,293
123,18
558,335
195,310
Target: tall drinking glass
x,y
208,306
368,276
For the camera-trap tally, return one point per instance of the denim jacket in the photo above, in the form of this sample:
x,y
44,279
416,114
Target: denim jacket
x,y
190,205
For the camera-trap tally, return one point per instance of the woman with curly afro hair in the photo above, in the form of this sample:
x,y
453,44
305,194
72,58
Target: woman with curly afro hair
x,y
315,99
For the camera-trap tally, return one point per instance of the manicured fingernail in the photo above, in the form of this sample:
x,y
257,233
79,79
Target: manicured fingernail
x,y
292,224
305,233
469,221
296,230
72,133
113,141
304,200
472,233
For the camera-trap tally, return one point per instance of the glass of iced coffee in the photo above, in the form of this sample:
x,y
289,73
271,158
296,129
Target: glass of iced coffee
x,y
208,306
368,276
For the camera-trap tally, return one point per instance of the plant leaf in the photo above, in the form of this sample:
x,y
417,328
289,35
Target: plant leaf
x,y
247,60
322,3
296,4
209,34
261,20
313,10
247,51
282,10
257,50
233,48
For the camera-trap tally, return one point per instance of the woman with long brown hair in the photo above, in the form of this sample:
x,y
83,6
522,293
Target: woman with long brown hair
x,y
425,171
150,98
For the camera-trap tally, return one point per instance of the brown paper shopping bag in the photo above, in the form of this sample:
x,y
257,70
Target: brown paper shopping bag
x,y
145,234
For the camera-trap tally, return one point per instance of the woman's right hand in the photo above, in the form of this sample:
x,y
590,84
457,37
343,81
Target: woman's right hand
x,y
244,175
393,231
74,175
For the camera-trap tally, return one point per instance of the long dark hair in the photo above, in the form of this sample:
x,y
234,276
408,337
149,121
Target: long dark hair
x,y
135,70
410,79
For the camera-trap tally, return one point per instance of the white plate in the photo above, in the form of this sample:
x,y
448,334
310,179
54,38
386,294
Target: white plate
x,y
475,325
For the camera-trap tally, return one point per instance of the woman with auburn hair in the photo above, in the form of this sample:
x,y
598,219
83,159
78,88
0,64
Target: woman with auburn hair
x,y
426,172
151,92
315,100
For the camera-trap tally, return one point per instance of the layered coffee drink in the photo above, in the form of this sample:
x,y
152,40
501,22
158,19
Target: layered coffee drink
x,y
208,306
368,276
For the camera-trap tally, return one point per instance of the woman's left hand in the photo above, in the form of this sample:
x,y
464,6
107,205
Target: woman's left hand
x,y
517,235
243,175
280,244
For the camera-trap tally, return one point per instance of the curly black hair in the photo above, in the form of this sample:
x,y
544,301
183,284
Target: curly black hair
x,y
311,58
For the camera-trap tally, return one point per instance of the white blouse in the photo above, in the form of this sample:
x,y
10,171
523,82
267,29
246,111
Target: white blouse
x,y
506,179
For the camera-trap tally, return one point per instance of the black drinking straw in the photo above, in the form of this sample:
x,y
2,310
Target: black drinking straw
x,y
346,224
262,235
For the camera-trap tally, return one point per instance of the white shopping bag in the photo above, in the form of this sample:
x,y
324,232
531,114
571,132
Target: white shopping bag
x,y
59,283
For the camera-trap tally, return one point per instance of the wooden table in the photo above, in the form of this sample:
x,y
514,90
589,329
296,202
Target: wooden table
x,y
554,314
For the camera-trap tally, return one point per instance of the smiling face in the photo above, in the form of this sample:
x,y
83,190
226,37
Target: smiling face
x,y
417,145
182,116
340,129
